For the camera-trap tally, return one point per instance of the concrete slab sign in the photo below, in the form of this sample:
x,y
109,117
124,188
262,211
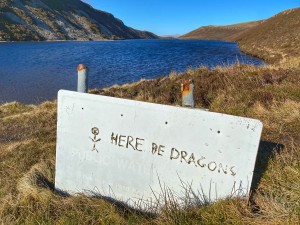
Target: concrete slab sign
x,y
133,151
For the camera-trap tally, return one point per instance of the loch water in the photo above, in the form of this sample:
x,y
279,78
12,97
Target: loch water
x,y
34,72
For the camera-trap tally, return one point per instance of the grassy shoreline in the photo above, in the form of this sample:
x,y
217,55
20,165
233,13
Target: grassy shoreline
x,y
268,93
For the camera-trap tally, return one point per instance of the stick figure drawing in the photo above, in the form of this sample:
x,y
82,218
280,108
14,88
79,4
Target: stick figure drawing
x,y
95,132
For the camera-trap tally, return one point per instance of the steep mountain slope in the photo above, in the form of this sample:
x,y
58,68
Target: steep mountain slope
x,y
276,39
36,20
219,32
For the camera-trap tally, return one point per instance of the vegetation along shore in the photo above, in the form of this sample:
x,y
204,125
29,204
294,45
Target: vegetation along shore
x,y
269,93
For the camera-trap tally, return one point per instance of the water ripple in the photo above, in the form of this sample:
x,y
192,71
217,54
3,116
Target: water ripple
x,y
34,72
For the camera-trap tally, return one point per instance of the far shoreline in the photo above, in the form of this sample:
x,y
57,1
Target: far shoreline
x,y
112,40
79,40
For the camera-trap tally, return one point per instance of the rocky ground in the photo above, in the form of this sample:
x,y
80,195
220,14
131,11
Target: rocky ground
x,y
40,20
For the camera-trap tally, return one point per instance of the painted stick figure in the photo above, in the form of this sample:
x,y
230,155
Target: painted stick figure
x,y
95,132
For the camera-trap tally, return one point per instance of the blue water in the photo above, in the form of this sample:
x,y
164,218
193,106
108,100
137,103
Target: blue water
x,y
34,72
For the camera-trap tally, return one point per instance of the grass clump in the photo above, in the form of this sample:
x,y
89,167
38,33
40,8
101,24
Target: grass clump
x,y
269,93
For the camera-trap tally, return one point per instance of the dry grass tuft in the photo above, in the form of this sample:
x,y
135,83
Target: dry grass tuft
x,y
38,182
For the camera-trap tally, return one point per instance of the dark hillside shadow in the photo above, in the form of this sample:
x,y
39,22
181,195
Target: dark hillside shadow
x,y
266,152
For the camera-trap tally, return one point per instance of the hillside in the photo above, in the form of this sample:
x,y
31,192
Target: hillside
x,y
270,94
40,20
275,40
219,32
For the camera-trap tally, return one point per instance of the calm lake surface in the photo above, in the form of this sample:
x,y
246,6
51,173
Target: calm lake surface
x,y
34,72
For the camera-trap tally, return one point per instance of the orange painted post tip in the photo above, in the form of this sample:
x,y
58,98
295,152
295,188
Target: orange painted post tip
x,y
81,67
82,84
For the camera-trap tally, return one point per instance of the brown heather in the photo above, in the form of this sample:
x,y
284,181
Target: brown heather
x,y
219,32
275,40
270,94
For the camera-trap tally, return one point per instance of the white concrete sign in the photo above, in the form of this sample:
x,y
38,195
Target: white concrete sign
x,y
132,150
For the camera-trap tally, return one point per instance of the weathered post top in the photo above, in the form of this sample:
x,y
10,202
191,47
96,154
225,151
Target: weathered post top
x,y
187,91
82,85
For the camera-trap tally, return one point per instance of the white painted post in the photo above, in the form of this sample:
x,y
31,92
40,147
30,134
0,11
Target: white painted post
x,y
82,85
